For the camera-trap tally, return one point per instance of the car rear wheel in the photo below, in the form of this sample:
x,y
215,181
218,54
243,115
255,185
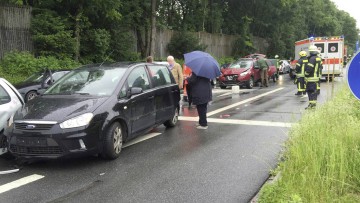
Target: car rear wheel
x,y
113,141
250,83
30,95
172,122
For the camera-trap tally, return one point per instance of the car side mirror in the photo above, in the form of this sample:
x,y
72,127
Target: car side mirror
x,y
134,91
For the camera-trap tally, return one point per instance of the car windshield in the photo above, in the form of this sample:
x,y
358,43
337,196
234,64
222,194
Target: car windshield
x,y
36,77
241,64
90,81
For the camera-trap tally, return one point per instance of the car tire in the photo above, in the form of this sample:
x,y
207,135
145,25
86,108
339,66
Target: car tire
x,y
30,95
3,144
250,83
172,122
112,141
222,87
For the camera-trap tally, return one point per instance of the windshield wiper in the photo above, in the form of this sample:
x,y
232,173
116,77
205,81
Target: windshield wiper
x,y
81,93
69,93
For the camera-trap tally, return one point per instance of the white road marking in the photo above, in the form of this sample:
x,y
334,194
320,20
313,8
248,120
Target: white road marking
x,y
242,102
140,139
239,122
220,90
225,94
20,182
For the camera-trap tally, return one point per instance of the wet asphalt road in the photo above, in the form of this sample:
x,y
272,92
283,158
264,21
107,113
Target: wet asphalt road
x,y
228,162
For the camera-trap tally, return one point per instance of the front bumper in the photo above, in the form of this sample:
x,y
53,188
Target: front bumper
x,y
233,82
53,143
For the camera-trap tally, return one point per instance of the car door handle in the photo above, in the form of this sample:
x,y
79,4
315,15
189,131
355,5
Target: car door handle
x,y
151,97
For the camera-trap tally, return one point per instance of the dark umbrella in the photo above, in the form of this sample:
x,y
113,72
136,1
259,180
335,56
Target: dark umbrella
x,y
202,64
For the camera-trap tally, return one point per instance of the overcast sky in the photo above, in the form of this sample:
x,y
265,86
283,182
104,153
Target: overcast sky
x,y
350,6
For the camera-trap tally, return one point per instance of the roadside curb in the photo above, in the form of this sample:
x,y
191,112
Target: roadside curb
x,y
270,180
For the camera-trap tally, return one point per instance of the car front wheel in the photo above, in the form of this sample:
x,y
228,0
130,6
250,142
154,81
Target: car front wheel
x,y
172,122
250,83
113,141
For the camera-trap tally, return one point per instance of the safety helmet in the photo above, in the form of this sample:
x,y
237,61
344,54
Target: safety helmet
x,y
302,53
313,48
276,56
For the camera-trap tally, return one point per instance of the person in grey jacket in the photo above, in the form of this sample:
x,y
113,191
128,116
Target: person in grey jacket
x,y
201,93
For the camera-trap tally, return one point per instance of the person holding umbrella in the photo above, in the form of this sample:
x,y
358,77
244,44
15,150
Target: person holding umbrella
x,y
204,68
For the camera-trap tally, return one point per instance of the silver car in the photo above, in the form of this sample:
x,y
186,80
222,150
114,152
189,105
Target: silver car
x,y
10,102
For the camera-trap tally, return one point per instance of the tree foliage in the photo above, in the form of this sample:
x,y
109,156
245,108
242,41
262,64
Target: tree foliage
x,y
93,30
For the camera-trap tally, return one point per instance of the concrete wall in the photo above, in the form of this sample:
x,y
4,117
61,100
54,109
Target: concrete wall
x,y
218,45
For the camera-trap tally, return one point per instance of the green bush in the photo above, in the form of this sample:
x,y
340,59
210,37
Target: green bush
x,y
51,34
16,66
322,160
95,45
224,60
184,42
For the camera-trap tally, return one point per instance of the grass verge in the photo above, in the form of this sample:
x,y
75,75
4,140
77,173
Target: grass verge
x,y
322,157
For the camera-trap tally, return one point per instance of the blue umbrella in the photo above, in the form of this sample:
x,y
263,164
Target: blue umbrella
x,y
202,64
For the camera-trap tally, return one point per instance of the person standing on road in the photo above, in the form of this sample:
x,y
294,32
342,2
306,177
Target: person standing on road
x,y
277,66
320,74
201,92
300,73
176,71
263,71
312,73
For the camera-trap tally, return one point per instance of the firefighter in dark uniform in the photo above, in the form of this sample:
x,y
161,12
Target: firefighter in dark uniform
x,y
312,74
300,73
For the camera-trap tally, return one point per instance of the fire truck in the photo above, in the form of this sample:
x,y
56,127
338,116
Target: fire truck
x,y
332,51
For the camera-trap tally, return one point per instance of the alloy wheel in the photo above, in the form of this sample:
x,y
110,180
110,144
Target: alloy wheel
x,y
117,140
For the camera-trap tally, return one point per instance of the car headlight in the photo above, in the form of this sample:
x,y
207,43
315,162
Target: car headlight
x,y
244,73
78,121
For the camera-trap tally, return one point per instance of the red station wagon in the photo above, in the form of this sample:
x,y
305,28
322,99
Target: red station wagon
x,y
244,72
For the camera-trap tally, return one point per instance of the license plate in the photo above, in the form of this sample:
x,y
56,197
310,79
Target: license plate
x,y
31,142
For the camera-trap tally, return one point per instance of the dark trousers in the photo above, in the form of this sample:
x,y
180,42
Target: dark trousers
x,y
202,110
188,91
301,85
311,91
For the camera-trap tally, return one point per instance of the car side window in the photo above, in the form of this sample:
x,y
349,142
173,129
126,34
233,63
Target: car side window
x,y
123,92
4,96
138,78
160,75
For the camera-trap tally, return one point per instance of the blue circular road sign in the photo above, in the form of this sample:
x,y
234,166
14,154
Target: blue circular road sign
x,y
353,75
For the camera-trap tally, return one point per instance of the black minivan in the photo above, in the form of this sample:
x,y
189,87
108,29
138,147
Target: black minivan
x,y
94,109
